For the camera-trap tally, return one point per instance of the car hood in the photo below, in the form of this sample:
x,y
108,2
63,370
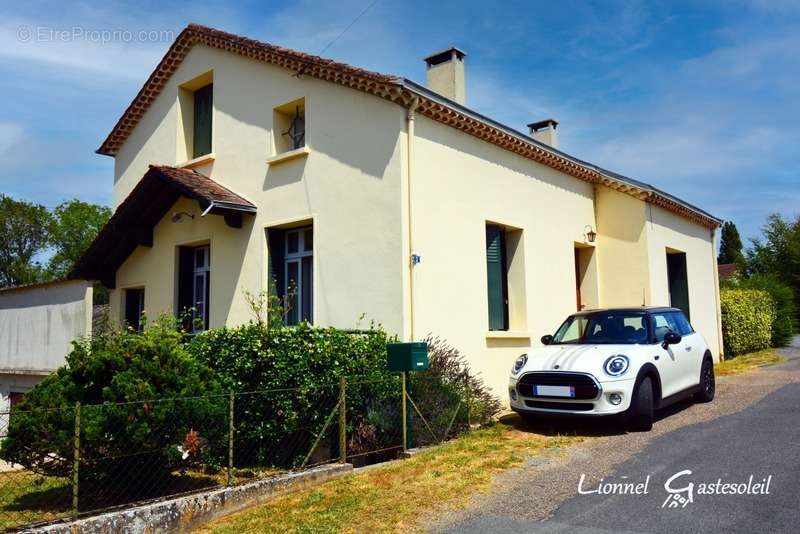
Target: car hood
x,y
579,358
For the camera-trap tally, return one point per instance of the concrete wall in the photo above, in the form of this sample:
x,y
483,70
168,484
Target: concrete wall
x,y
348,184
37,326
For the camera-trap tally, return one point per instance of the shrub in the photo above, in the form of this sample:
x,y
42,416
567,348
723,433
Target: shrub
x,y
124,433
747,317
293,376
783,326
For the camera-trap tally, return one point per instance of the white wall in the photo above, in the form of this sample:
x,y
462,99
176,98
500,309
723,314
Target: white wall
x,y
38,324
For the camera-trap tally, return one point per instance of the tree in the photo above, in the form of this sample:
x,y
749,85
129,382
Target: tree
x,y
23,234
142,397
730,247
778,254
73,227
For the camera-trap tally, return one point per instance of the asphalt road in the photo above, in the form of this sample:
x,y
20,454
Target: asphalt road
x,y
761,439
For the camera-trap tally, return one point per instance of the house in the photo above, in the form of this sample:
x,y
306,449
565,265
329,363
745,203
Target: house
x,y
728,271
38,323
239,164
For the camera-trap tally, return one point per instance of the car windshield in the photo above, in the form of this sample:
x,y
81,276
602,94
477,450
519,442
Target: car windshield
x,y
603,328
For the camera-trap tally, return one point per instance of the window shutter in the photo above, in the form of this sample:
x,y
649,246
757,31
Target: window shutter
x,y
203,106
496,278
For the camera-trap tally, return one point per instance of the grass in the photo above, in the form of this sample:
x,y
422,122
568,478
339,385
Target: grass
x,y
747,362
29,498
397,496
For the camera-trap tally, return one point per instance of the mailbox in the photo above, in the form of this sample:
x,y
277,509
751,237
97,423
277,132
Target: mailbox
x,y
411,356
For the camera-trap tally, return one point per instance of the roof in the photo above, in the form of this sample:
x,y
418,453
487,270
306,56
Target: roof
x,y
630,309
133,221
727,270
37,285
396,89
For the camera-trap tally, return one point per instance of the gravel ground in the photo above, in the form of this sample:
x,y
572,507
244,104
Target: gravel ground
x,y
535,490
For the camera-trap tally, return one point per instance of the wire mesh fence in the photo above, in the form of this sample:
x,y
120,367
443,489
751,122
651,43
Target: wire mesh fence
x,y
79,460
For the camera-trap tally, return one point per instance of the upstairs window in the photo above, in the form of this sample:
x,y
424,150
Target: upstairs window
x,y
289,126
203,111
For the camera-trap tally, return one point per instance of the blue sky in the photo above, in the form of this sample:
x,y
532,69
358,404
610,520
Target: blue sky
x,y
697,98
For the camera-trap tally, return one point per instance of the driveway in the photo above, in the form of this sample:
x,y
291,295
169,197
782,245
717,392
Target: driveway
x,y
751,429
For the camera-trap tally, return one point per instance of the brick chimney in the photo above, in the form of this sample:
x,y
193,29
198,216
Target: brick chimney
x,y
446,74
545,132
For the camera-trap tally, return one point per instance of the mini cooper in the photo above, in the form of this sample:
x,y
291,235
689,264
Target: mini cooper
x,y
626,362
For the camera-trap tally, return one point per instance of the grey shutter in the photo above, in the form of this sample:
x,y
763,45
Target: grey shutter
x,y
496,278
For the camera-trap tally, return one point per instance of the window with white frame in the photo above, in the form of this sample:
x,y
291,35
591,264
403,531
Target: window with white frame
x,y
194,287
299,275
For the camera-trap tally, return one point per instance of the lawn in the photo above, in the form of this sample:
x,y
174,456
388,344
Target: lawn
x,y
29,498
397,496
747,362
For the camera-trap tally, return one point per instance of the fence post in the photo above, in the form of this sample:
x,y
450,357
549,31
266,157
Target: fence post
x,y
405,413
469,404
76,460
342,420
230,439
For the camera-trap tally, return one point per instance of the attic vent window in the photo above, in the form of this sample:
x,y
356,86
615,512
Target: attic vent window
x,y
289,126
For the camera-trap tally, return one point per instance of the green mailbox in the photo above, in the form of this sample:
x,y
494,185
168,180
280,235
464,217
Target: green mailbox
x,y
412,356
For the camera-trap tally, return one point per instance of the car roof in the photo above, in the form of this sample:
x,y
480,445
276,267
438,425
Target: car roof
x,y
640,309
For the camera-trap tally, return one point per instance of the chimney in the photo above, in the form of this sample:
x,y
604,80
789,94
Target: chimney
x,y
446,74
545,132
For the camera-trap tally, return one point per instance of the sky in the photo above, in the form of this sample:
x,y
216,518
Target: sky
x,y
699,99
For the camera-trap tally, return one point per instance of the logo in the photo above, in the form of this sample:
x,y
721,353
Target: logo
x,y
678,497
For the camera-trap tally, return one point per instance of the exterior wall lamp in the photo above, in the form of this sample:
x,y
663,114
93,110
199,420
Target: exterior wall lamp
x,y
591,235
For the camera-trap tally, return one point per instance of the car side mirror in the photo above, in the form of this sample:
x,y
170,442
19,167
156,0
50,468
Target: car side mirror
x,y
546,340
670,338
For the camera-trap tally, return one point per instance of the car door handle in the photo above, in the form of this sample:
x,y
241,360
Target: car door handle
x,y
688,349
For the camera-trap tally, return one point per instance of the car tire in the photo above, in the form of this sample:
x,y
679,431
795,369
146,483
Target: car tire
x,y
640,414
707,382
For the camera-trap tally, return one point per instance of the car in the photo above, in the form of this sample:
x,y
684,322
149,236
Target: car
x,y
614,362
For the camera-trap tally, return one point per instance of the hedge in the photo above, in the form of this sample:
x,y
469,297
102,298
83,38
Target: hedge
x,y
783,326
747,317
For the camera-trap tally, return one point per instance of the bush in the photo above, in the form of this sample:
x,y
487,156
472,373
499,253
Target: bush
x,y
747,317
783,326
293,374
119,442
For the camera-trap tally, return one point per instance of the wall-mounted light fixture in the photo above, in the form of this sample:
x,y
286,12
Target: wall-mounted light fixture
x,y
178,217
591,235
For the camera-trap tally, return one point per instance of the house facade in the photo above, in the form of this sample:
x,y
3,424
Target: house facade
x,y
366,197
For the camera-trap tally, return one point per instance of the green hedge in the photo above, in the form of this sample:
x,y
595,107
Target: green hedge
x,y
783,326
747,317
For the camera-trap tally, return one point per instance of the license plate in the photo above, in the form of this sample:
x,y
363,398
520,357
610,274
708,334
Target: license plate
x,y
554,391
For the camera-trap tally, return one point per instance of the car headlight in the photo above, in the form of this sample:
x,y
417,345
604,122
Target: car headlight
x,y
616,365
519,364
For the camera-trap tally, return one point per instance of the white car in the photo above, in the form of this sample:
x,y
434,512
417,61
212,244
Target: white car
x,y
614,362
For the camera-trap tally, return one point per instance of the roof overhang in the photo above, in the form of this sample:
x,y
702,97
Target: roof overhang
x,y
133,221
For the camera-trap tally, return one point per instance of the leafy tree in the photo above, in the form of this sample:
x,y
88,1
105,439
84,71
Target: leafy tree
x,y
23,234
134,426
730,248
72,229
778,254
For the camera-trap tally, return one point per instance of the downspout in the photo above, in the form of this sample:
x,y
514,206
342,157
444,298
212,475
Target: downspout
x,y
717,309
410,116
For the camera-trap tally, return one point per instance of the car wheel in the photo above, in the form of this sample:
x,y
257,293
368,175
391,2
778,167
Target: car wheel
x,y
640,414
707,382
